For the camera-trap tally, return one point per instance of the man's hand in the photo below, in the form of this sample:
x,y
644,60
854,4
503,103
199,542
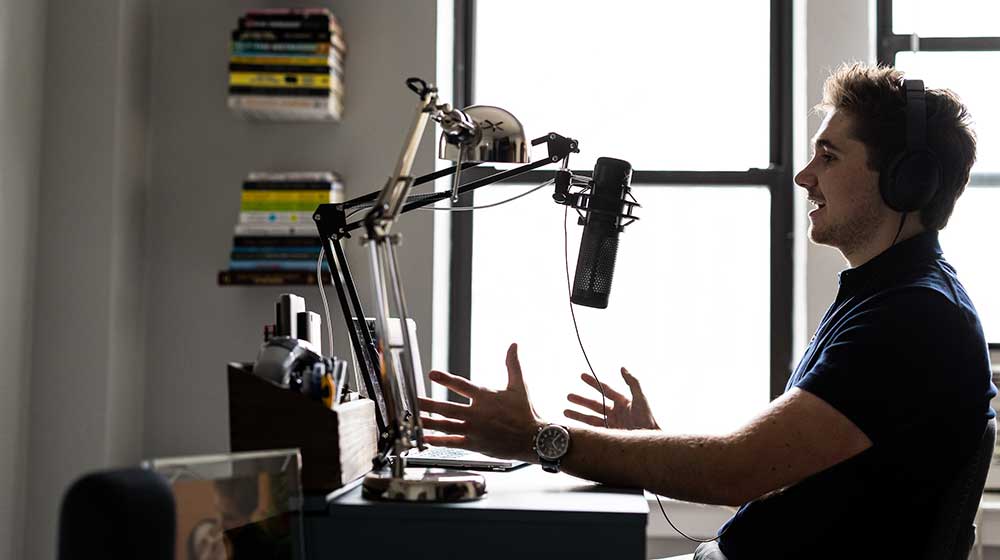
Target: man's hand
x,y
499,423
622,412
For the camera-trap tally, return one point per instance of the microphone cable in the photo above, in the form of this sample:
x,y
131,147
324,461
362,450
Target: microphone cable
x,y
600,386
491,205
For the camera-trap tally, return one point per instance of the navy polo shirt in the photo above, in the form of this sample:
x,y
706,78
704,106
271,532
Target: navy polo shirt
x,y
901,354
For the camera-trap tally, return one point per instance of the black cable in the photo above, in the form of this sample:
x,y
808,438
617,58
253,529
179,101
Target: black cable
x,y
600,387
902,221
569,290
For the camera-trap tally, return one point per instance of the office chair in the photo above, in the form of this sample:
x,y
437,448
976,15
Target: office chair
x,y
117,515
954,530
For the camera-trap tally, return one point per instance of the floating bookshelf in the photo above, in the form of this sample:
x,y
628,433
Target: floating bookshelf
x,y
275,242
287,64
270,278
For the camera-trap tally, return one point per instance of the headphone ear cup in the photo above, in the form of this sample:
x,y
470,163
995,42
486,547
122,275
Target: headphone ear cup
x,y
910,181
887,183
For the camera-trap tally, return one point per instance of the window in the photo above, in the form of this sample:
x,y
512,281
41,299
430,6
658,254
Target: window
x,y
693,311
958,47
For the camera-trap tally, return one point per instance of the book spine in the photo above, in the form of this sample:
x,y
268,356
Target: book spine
x,y
286,60
283,35
282,218
288,69
280,182
268,242
309,264
274,256
279,79
290,195
279,206
297,91
281,176
309,23
313,249
274,230
269,47
305,106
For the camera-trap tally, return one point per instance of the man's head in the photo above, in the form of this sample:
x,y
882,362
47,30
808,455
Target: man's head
x,y
864,130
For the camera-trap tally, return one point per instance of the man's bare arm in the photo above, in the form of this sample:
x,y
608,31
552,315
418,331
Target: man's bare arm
x,y
798,435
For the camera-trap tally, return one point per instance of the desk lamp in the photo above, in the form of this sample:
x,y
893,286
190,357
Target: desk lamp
x,y
475,135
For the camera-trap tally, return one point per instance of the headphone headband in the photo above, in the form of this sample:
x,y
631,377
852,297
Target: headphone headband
x,y
916,115
909,181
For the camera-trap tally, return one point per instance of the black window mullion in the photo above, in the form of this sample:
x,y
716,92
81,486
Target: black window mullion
x,y
460,267
752,177
782,203
889,43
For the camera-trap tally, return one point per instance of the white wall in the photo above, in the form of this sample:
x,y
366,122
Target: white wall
x,y
200,154
22,55
89,322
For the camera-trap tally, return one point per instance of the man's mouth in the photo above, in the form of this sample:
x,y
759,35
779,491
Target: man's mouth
x,y
817,205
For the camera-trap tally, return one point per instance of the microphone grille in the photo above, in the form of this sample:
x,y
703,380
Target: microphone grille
x,y
595,269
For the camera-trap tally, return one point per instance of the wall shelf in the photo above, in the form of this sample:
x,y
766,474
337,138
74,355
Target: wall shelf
x,y
270,278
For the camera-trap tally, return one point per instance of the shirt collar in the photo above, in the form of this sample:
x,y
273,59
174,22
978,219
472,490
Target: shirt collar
x,y
901,257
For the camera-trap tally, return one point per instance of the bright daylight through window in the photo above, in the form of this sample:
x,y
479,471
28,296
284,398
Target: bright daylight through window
x,y
689,308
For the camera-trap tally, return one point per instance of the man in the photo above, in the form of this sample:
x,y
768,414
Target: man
x,y
890,398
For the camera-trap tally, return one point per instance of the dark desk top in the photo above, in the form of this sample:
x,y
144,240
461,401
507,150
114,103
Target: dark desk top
x,y
522,493
526,513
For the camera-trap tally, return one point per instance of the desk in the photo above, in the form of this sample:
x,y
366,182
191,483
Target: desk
x,y
526,513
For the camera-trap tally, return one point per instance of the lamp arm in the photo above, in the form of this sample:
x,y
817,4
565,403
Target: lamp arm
x,y
559,148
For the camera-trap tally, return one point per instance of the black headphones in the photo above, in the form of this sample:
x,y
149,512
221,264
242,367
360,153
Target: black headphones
x,y
912,178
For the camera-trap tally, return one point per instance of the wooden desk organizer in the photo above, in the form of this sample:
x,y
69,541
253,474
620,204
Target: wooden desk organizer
x,y
337,445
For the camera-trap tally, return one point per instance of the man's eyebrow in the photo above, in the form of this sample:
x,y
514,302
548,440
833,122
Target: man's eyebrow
x,y
825,144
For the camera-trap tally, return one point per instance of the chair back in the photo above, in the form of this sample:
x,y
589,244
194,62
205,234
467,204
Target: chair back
x,y
954,531
118,514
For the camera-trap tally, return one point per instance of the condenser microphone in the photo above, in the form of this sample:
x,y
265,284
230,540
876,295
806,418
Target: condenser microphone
x,y
595,265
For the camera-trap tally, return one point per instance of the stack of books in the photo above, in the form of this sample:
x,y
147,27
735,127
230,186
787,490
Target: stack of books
x,y
287,64
276,241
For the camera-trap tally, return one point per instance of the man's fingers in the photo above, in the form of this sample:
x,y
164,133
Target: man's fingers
x,y
608,391
591,404
460,442
451,410
632,382
443,425
515,379
458,384
585,418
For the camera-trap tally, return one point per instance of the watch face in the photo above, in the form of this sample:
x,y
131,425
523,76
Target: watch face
x,y
552,442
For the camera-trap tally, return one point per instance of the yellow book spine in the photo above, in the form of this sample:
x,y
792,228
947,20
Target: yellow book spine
x,y
285,60
279,79
317,196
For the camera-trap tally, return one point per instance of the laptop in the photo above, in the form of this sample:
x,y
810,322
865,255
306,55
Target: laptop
x,y
444,457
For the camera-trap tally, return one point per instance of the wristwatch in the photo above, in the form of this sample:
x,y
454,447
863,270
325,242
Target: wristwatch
x,y
551,444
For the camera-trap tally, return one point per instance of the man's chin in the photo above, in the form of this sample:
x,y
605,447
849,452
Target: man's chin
x,y
820,236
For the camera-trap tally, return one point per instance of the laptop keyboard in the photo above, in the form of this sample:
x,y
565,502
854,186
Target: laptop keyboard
x,y
441,453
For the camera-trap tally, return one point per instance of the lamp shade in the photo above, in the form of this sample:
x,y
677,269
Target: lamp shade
x,y
499,138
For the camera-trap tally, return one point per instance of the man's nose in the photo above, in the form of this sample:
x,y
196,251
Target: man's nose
x,y
805,178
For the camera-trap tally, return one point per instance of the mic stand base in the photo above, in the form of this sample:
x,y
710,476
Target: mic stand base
x,y
424,485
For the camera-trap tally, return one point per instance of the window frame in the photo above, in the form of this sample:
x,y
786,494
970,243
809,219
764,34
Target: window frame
x,y
889,44
777,177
